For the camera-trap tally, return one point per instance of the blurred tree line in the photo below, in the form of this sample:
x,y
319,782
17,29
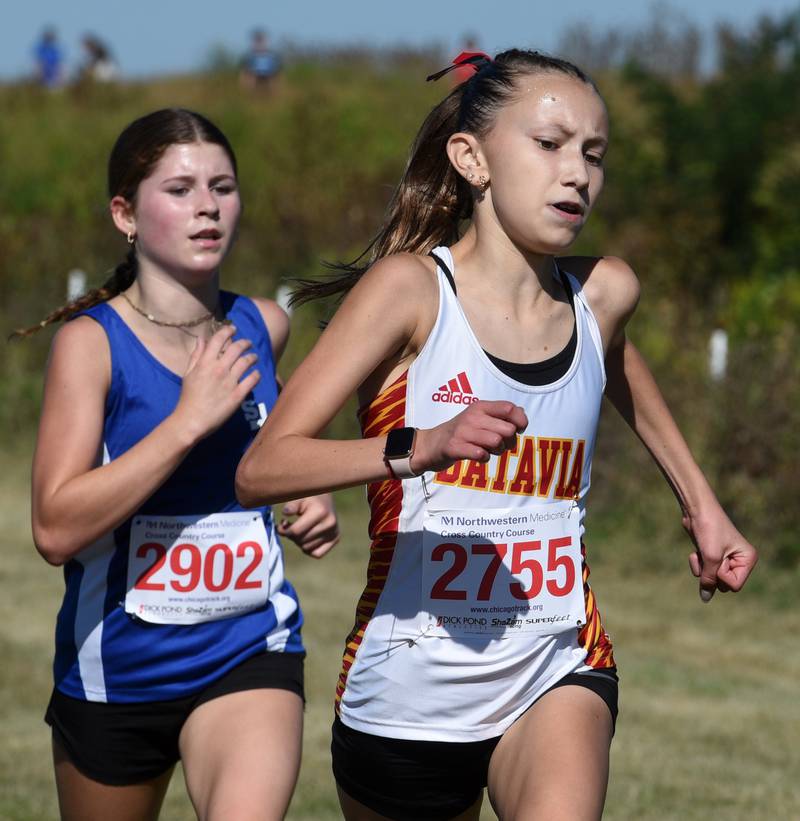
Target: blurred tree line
x,y
701,198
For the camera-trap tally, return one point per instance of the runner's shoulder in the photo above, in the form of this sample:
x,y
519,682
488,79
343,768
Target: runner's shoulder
x,y
276,320
609,283
401,273
80,347
275,317
401,288
82,335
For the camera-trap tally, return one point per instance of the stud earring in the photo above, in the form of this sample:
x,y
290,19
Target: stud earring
x,y
131,237
483,183
470,177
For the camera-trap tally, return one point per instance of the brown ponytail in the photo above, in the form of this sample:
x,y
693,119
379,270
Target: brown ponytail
x,y
425,209
432,199
120,280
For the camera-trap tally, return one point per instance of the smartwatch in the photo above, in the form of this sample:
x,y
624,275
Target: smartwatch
x,y
399,450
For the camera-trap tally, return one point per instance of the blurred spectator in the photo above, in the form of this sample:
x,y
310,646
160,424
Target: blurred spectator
x,y
49,59
469,43
98,64
260,65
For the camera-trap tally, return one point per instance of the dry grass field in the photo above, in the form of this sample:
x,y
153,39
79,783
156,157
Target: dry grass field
x,y
709,722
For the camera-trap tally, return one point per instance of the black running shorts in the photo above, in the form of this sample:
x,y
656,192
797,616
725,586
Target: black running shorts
x,y
127,743
429,780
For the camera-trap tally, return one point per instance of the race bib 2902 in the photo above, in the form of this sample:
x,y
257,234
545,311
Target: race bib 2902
x,y
190,569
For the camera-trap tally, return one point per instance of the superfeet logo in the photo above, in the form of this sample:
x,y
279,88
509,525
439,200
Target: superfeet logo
x,y
456,391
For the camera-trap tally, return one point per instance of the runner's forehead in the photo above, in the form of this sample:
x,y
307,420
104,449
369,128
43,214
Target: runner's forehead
x,y
553,100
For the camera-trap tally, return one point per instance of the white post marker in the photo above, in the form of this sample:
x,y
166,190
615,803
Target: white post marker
x,y
718,354
76,284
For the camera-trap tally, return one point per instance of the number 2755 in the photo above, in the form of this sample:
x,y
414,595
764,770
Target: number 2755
x,y
524,559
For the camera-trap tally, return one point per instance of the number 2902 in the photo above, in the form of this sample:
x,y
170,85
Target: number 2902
x,y
187,566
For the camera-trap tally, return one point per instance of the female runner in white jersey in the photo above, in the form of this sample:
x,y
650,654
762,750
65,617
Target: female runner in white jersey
x,y
179,636
478,656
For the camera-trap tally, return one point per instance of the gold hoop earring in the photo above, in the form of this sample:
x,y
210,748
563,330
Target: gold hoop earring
x,y
131,237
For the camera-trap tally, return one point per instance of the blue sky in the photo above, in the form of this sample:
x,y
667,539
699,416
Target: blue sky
x,y
166,36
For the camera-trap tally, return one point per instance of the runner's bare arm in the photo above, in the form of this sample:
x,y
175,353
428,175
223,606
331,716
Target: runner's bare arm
x,y
75,498
723,557
381,324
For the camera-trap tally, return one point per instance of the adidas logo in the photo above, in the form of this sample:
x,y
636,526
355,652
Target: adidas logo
x,y
457,391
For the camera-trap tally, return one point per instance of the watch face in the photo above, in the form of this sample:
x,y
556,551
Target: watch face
x,y
399,443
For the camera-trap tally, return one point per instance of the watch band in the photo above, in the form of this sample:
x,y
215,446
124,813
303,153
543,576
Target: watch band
x,y
398,451
401,468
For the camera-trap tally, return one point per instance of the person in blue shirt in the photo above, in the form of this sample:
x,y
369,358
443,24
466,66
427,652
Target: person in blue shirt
x,y
179,635
49,59
261,65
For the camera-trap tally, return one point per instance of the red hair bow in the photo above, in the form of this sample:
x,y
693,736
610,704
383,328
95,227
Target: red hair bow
x,y
475,59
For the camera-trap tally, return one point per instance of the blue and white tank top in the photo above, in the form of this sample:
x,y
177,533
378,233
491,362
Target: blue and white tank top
x,y
106,654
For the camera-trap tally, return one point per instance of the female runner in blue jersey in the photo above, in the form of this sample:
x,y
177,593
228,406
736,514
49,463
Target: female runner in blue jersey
x,y
179,636
478,656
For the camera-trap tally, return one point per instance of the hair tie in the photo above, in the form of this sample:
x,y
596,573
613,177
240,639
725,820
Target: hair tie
x,y
475,59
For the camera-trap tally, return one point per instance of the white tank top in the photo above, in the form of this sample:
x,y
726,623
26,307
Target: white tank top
x,y
477,597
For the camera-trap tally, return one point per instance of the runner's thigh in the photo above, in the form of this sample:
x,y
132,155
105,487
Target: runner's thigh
x,y
241,754
81,798
552,764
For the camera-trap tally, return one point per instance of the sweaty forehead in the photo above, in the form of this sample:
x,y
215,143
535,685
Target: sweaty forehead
x,y
193,158
558,100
